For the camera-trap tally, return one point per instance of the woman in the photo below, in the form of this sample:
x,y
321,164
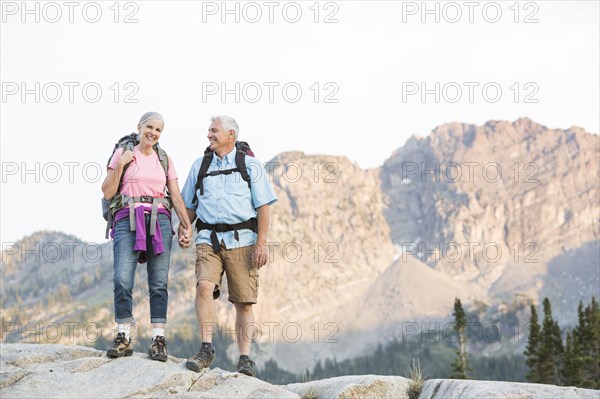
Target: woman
x,y
142,230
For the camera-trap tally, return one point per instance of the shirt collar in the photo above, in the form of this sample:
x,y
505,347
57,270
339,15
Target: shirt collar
x,y
228,158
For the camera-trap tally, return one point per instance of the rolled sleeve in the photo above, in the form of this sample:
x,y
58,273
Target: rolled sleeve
x,y
261,188
187,193
171,173
115,158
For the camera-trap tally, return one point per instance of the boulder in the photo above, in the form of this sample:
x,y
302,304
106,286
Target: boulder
x,y
467,389
354,387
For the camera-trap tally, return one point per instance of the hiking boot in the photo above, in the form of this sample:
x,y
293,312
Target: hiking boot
x,y
246,366
201,360
158,349
121,347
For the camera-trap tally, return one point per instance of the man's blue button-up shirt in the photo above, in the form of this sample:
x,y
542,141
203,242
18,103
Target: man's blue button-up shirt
x,y
227,198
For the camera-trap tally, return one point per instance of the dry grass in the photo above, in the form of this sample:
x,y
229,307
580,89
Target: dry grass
x,y
311,393
417,379
304,373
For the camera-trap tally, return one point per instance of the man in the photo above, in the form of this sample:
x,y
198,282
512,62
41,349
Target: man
x,y
232,222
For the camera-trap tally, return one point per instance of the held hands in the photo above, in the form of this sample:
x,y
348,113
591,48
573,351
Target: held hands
x,y
259,256
185,236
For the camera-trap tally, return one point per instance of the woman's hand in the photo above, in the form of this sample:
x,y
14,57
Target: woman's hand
x,y
126,157
185,236
113,176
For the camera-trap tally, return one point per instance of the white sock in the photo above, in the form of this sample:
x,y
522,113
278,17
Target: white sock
x,y
158,331
125,328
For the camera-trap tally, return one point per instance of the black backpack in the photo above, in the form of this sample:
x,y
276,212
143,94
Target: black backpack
x,y
242,149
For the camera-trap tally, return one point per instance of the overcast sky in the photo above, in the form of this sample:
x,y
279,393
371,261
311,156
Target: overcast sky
x,y
351,78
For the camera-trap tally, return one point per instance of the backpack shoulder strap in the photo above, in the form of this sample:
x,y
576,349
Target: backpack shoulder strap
x,y
163,158
240,163
128,147
206,160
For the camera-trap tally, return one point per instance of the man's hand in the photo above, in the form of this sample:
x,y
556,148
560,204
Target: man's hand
x,y
259,256
185,236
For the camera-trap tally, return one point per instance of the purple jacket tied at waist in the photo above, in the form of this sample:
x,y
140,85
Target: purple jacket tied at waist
x,y
140,230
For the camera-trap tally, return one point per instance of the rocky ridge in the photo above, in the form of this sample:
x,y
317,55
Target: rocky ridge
x,y
50,371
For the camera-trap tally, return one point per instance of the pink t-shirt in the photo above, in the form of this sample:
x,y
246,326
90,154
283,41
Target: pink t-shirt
x,y
144,175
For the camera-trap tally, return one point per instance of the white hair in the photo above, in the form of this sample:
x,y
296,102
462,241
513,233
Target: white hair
x,y
228,124
151,115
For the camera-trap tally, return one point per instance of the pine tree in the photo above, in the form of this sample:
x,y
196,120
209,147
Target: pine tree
x,y
459,365
551,348
573,358
571,361
594,326
532,350
588,342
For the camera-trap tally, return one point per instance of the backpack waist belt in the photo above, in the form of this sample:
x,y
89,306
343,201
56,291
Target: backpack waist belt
x,y
130,201
251,224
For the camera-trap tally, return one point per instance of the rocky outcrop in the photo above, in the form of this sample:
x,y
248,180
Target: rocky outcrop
x,y
59,371
501,183
354,386
462,389
51,371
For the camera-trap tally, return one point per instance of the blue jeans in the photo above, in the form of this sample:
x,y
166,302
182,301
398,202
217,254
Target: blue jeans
x,y
126,260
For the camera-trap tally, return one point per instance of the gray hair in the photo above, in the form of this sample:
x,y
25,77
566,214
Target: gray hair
x,y
228,123
151,115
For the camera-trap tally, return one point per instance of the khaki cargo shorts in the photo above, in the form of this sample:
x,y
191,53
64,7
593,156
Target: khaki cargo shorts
x,y
236,263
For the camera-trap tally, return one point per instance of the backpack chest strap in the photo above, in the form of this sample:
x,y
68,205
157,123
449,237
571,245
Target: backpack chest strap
x,y
222,172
